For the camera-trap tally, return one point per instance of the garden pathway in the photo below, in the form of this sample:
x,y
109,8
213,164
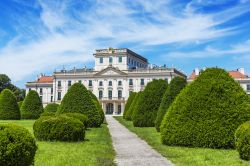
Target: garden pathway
x,y
130,149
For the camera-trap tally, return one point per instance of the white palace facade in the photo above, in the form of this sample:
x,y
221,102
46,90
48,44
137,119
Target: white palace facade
x,y
117,73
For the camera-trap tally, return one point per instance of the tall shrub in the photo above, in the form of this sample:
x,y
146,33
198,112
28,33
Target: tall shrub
x,y
128,103
149,104
174,88
78,100
98,106
207,112
132,107
32,106
8,106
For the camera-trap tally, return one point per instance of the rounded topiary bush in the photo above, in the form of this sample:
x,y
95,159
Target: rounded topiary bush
x,y
58,128
207,112
48,114
51,107
128,103
8,106
174,88
242,140
83,118
78,100
132,107
149,103
17,146
32,106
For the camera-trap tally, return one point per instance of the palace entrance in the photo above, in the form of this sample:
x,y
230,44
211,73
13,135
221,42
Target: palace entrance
x,y
109,109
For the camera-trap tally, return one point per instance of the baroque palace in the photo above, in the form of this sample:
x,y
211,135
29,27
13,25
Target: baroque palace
x,y
117,73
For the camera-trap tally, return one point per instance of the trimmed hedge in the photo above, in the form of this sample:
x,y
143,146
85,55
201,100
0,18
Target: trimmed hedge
x,y
17,146
32,106
19,104
78,100
132,107
242,140
174,88
58,128
128,103
149,103
83,118
98,106
8,106
207,112
51,107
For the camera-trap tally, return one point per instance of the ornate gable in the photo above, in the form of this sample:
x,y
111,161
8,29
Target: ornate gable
x,y
110,71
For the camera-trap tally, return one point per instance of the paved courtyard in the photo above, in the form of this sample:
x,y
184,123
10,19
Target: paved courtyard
x,y
130,149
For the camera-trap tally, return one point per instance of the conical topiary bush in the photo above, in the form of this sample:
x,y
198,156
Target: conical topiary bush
x,y
9,109
78,100
32,106
149,104
128,103
207,112
132,107
98,106
174,88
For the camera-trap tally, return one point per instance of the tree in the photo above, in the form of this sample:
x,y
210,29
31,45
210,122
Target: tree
x,y
174,88
78,100
128,103
5,82
8,106
32,106
133,106
207,112
149,103
98,106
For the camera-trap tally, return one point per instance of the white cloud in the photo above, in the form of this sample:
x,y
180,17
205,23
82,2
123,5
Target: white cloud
x,y
69,35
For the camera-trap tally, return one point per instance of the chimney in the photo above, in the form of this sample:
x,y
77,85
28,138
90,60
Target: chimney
x,y
241,70
196,71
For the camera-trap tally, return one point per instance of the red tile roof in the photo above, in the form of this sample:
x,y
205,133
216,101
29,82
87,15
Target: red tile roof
x,y
45,79
234,74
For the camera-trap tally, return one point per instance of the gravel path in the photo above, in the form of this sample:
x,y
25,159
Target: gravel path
x,y
130,149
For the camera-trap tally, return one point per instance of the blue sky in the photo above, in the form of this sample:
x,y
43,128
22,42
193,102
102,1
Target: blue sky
x,y
40,36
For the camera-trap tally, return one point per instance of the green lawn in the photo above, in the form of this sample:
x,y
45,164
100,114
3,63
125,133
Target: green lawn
x,y
97,149
183,155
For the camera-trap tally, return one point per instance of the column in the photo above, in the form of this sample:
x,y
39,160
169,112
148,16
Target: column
x,y
115,108
122,108
104,107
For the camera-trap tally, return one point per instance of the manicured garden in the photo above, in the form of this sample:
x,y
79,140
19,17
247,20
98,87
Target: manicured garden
x,y
183,155
95,150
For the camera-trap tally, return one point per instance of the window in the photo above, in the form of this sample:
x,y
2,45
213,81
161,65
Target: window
x,y
142,81
137,64
248,87
166,79
110,83
119,94
100,94
41,90
29,89
128,60
51,90
69,83
41,98
59,83
90,82
100,83
130,92
120,59
80,81
51,99
119,109
101,60
110,94
130,81
110,59
119,83
59,95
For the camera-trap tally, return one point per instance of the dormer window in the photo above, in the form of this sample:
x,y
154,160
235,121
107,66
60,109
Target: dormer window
x,y
110,59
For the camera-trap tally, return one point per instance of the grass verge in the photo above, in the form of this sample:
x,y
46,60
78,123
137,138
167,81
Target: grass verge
x,y
96,150
186,156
